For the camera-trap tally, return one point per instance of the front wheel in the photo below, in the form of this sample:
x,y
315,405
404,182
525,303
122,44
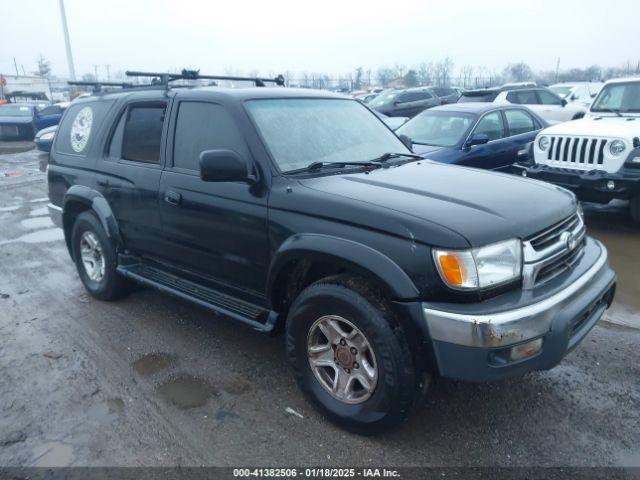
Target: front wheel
x,y
350,356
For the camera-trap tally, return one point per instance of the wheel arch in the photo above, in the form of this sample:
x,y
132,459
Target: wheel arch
x,y
304,258
79,199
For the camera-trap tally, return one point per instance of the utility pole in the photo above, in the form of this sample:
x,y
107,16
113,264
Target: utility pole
x,y
95,71
557,69
67,42
108,73
15,64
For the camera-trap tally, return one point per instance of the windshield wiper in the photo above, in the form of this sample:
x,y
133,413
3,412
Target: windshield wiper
x,y
320,165
611,110
388,156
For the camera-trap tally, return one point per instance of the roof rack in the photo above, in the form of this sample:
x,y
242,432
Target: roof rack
x,y
97,86
165,78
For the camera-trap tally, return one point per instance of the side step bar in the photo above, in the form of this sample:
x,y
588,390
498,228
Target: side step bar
x,y
256,317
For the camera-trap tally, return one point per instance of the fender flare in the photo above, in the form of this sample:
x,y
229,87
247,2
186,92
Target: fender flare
x,y
96,202
318,246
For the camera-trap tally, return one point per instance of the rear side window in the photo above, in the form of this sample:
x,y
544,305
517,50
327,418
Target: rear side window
x,y
519,122
547,98
79,126
523,97
414,96
204,126
142,133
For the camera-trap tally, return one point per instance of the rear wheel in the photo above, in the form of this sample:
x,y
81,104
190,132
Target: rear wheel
x,y
351,357
96,259
634,208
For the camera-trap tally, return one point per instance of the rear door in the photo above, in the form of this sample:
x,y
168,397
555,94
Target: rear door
x,y
552,107
217,230
522,128
130,173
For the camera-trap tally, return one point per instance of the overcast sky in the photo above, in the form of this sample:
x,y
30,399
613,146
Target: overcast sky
x,y
324,35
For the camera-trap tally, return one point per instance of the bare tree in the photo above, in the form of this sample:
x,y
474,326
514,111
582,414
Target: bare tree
x,y
518,72
466,74
357,83
44,67
385,75
442,72
425,73
410,78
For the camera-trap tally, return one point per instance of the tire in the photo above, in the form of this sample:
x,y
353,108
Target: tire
x,y
103,283
634,208
397,384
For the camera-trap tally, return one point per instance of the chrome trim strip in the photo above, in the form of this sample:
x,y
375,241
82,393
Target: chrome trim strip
x,y
511,326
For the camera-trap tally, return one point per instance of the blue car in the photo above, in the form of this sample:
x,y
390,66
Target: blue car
x,y
20,121
482,135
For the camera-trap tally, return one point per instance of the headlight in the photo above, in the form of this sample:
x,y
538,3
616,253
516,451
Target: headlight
x,y
617,147
543,142
478,268
46,136
580,211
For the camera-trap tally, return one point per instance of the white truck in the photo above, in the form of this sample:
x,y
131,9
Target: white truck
x,y
597,157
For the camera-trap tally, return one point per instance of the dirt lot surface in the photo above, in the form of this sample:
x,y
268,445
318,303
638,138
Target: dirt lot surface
x,y
151,380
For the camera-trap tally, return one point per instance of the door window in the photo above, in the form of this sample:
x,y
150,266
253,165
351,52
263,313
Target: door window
x,y
523,97
204,126
519,122
547,98
142,133
414,97
491,125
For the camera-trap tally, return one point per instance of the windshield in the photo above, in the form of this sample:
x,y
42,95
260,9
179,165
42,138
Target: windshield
x,y
441,129
15,111
299,132
623,97
384,98
562,91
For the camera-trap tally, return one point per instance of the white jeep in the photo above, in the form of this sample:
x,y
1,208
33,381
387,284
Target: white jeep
x,y
598,157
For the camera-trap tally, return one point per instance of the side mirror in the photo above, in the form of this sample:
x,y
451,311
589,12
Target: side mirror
x,y
477,139
574,96
224,166
564,102
407,142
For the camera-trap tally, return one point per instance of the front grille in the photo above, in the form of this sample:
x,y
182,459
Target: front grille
x,y
577,150
553,251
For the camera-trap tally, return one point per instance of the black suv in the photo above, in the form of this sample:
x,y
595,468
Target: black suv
x,y
405,103
301,211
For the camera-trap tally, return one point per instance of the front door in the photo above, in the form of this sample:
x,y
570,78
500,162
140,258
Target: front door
x,y
491,155
215,229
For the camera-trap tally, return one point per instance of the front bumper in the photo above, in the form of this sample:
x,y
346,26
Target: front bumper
x,y
474,344
588,186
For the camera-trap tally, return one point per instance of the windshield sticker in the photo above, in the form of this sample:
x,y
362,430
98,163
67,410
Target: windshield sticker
x,y
81,129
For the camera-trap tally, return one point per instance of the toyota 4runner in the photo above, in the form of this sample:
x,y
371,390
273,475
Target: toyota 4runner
x,y
301,211
597,157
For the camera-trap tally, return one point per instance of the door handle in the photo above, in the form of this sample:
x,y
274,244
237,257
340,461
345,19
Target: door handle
x,y
173,198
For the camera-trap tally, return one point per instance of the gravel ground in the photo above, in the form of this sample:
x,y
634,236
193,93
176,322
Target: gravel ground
x,y
154,381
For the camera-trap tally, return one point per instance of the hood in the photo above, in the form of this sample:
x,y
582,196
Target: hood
x,y
481,206
609,126
16,120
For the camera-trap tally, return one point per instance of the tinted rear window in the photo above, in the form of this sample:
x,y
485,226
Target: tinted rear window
x,y
79,126
142,133
469,97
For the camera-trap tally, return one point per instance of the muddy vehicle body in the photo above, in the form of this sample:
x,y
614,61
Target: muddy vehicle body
x,y
300,211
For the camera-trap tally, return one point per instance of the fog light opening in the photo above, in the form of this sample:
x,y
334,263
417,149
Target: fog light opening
x,y
611,185
525,350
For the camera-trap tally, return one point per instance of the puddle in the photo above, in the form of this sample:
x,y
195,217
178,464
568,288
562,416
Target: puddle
x,y
40,236
54,454
106,412
153,363
38,212
36,222
186,391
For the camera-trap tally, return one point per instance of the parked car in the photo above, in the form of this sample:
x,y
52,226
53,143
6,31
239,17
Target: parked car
x,y
542,101
483,135
404,102
366,97
597,157
298,210
44,138
392,122
581,93
446,94
20,121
